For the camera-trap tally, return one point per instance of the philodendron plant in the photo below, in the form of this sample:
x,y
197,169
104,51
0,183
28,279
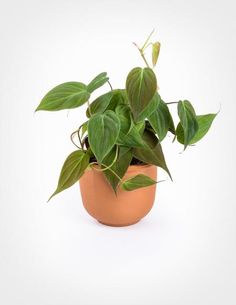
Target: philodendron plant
x,y
124,126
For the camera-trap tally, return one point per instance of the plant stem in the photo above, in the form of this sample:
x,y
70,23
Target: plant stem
x,y
147,40
90,114
142,54
106,168
110,85
71,138
171,103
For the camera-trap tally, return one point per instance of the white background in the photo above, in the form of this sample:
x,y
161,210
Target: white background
x,y
184,251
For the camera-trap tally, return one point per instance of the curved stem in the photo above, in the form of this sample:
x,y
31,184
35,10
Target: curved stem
x,y
110,85
90,114
97,169
78,132
71,138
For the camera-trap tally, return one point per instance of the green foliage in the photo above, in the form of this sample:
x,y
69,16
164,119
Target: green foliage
x,y
141,85
123,126
103,131
161,120
119,167
136,182
204,124
188,121
73,168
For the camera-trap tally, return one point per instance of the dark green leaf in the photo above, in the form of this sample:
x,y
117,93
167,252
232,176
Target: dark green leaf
x,y
152,153
141,85
136,182
103,131
72,170
204,124
161,120
65,96
188,121
119,167
98,81
129,133
119,98
152,106
155,52
100,104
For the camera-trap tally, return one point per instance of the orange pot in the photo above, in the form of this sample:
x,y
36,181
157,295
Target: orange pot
x,y
127,208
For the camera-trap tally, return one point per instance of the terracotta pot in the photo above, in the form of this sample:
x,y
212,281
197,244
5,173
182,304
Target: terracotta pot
x,y
124,209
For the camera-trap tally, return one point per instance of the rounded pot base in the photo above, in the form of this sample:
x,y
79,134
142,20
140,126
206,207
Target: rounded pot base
x,y
118,225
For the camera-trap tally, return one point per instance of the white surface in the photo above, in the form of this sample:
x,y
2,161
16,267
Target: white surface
x,y
55,254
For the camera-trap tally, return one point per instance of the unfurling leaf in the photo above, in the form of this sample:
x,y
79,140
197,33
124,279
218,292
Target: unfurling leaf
x,y
98,81
204,124
188,121
103,131
161,120
155,52
72,170
136,182
65,96
141,85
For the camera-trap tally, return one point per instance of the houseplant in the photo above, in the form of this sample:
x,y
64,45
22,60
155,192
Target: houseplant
x,y
120,144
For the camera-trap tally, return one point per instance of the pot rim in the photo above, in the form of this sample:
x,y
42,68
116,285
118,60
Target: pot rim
x,y
133,167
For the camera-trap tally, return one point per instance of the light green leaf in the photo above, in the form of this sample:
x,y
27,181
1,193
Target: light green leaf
x,y
136,182
188,121
65,96
141,85
155,52
152,153
119,167
103,131
98,81
72,170
204,124
100,104
161,120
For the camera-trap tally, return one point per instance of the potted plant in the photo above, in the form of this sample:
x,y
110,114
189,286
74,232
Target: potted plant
x,y
119,147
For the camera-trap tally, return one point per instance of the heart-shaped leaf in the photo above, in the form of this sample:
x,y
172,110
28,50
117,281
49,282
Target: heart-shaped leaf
x,y
188,121
155,52
119,167
136,182
65,96
100,104
161,120
72,170
98,81
204,124
141,85
152,153
103,131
